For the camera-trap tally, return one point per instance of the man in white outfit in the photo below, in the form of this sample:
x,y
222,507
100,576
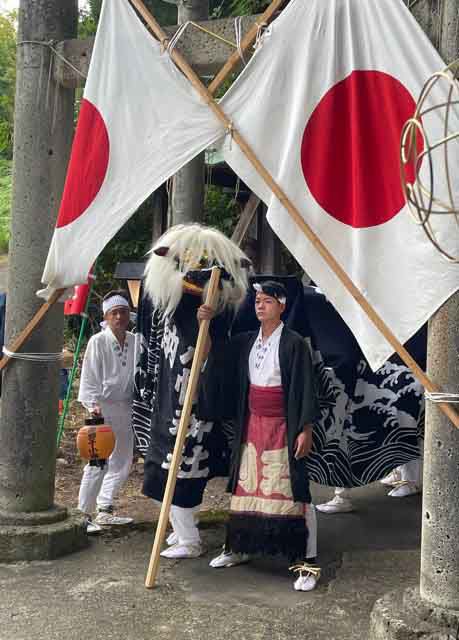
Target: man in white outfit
x,y
106,389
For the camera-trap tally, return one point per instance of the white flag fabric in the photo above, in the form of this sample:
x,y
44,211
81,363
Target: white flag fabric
x,y
322,103
140,122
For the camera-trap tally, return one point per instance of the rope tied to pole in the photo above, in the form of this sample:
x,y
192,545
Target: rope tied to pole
x,y
176,37
181,30
230,132
261,30
439,396
34,357
51,45
238,32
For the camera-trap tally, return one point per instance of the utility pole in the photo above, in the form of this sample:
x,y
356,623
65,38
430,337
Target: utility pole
x,y
31,526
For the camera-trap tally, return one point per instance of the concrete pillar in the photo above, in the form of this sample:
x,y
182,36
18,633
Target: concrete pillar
x,y
268,245
42,140
188,185
433,610
159,213
440,524
187,203
440,510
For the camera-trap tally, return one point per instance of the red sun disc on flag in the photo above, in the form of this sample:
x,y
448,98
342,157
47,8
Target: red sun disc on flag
x,y
88,164
350,148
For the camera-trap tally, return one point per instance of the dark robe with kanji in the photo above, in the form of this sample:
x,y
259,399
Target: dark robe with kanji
x,y
160,386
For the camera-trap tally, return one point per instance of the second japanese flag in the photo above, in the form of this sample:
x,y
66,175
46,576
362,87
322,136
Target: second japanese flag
x,y
322,103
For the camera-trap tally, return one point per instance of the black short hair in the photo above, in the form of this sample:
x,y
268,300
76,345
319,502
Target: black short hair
x,y
271,288
117,292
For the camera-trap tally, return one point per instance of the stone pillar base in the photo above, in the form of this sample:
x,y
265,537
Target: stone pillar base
x,y
403,615
41,536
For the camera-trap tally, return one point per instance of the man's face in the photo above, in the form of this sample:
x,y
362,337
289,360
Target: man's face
x,y
268,309
117,318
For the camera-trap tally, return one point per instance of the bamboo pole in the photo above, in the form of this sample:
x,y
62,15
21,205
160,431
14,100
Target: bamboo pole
x,y
183,65
68,395
198,358
28,329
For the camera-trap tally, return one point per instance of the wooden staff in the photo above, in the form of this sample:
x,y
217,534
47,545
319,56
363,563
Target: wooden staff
x,y
198,357
183,65
25,333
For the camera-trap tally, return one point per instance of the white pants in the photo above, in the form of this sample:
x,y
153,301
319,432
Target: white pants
x,y
311,524
101,486
342,492
412,472
183,523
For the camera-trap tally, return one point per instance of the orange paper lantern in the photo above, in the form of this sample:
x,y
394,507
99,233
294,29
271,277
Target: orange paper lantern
x,y
96,441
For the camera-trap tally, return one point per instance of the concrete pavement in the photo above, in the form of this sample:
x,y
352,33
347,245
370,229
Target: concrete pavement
x,y
100,593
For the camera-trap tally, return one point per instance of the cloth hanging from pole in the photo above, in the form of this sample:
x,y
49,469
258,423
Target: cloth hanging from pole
x,y
336,107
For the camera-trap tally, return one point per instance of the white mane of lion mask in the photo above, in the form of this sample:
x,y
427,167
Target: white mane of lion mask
x,y
185,250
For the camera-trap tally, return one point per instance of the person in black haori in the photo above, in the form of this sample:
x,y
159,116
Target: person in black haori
x,y
272,383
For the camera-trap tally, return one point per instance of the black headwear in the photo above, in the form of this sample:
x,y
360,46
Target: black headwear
x,y
273,289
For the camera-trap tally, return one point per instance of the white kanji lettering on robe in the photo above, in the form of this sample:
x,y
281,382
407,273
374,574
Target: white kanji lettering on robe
x,y
175,422
187,357
181,384
167,462
199,455
170,343
198,428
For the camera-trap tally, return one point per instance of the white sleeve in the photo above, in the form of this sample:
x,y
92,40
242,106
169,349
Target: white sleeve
x,y
90,392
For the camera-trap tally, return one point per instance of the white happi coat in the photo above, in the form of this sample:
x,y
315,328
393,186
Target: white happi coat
x,y
107,380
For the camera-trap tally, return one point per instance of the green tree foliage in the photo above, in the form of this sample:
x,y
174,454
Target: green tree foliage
x,y
247,7
221,210
164,13
5,203
7,91
7,82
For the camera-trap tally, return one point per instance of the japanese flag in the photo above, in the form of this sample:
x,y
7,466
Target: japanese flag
x,y
322,103
140,121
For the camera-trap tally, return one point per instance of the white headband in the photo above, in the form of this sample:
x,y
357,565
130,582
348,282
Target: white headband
x,y
114,301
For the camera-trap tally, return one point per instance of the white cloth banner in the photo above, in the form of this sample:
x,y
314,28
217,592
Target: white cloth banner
x,y
140,122
322,103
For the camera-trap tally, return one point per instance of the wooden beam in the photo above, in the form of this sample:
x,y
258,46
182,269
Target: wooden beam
x,y
205,53
245,219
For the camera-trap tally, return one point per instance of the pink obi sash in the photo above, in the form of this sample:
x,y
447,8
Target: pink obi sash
x,y
266,401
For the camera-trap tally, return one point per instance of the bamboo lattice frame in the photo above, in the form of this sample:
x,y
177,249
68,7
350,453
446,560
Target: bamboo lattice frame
x,y
420,196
